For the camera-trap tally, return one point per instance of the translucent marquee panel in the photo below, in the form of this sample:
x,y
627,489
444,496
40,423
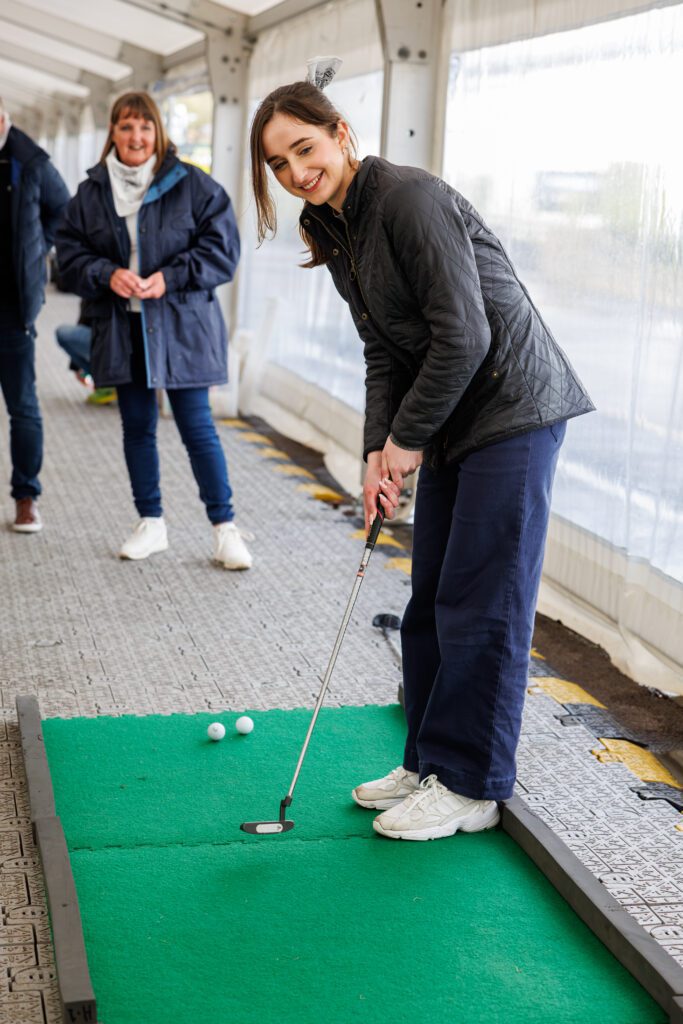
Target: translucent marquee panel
x,y
569,146
314,335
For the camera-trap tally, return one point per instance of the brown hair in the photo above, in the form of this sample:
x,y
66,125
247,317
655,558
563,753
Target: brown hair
x,y
139,104
304,102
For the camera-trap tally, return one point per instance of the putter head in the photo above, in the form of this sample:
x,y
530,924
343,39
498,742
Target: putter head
x,y
270,828
266,828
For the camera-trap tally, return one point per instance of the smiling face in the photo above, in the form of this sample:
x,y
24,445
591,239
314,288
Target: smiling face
x,y
134,138
308,161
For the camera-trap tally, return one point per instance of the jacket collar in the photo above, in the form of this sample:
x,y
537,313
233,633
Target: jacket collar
x,y
170,172
23,149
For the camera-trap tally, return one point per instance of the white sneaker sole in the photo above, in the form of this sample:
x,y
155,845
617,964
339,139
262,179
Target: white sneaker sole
x,y
379,805
232,568
472,823
29,528
139,558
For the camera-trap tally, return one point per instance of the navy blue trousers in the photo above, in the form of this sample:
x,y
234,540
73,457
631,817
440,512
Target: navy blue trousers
x,y
192,413
18,382
478,542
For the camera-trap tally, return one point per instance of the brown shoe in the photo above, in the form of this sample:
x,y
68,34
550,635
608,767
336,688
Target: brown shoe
x,y
27,519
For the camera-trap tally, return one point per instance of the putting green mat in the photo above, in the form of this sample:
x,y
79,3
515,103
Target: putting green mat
x,y
186,918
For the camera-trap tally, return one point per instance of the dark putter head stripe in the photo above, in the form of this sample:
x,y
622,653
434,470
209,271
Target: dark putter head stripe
x,y
266,828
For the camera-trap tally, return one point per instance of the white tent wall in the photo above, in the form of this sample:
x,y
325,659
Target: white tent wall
x,y
306,367
564,143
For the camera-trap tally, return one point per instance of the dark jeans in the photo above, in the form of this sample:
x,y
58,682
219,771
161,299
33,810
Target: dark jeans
x,y
190,406
75,339
479,537
18,382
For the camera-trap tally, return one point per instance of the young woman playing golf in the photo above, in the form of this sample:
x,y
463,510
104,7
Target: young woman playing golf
x,y
464,380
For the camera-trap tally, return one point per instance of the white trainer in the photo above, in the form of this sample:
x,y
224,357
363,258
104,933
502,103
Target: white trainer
x,y
387,792
230,550
148,537
433,812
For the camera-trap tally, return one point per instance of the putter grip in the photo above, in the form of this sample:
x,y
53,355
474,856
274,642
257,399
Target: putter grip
x,y
377,524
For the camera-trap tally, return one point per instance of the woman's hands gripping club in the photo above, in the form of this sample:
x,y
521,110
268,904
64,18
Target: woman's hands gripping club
x,y
385,475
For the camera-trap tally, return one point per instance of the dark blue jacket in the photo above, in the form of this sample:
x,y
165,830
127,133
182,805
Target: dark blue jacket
x,y
187,230
39,197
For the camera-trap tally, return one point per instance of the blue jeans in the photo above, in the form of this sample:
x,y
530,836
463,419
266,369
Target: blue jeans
x,y
75,339
18,382
139,415
479,537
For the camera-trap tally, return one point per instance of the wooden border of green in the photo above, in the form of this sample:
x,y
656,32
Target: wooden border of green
x,y
626,939
73,977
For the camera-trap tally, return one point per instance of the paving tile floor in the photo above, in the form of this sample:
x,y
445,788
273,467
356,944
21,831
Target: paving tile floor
x,y
90,635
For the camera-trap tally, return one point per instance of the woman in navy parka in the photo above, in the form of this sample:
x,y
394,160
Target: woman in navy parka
x,y
147,239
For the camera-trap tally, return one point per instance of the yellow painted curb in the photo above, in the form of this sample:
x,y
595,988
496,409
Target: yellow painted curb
x,y
251,435
384,538
293,470
322,493
563,691
402,564
642,763
240,424
273,453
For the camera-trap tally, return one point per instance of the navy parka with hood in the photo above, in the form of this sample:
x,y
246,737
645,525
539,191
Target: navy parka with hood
x,y
39,197
187,230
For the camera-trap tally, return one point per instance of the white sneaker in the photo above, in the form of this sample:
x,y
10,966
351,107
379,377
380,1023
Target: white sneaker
x,y
148,537
433,812
230,550
387,792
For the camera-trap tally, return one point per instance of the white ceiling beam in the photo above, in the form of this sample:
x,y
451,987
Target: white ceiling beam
x,y
15,94
202,15
193,52
47,46
34,78
28,59
281,12
62,29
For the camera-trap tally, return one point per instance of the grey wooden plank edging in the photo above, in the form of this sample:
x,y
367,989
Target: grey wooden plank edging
x,y
638,952
73,977
40,794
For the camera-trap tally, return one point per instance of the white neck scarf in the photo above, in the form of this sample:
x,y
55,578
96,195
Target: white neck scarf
x,y
128,184
5,131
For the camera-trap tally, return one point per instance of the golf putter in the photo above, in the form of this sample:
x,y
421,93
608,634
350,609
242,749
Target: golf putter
x,y
284,824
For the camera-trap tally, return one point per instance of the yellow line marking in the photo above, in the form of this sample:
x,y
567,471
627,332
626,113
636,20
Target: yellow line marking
x,y
402,564
642,763
251,435
563,691
322,493
537,654
273,453
384,538
292,470
240,424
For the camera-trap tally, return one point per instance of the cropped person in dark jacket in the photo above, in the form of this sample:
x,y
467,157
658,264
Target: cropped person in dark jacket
x,y
147,239
464,379
32,200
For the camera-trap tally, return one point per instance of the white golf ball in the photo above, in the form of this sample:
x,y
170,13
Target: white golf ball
x,y
216,731
244,724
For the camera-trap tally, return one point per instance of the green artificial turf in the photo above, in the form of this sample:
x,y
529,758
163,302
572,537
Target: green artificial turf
x,y
188,919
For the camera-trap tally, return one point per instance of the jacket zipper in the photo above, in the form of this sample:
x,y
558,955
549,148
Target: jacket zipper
x,y
349,252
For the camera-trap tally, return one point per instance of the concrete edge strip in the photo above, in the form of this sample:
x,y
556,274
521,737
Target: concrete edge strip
x,y
73,977
638,952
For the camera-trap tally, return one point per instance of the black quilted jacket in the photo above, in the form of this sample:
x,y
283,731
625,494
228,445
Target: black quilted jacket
x,y
457,355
